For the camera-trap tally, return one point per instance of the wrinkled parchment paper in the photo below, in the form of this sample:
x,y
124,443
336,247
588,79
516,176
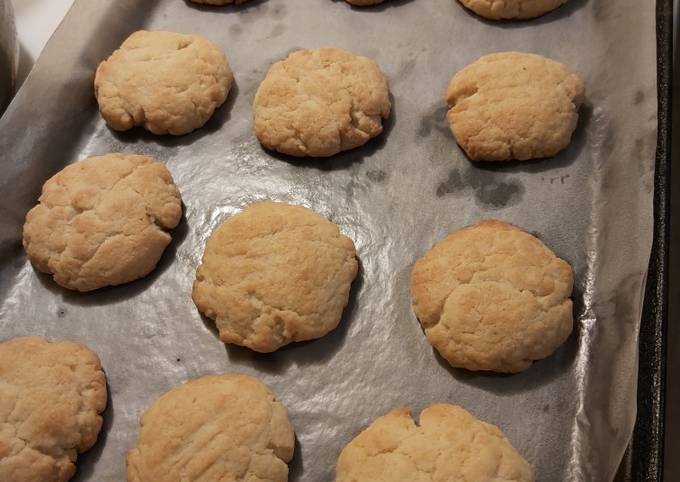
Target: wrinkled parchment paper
x,y
570,415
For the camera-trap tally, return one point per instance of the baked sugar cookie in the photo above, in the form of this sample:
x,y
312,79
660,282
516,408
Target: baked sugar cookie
x,y
274,274
448,444
214,428
493,297
318,102
169,83
102,221
513,105
511,9
52,395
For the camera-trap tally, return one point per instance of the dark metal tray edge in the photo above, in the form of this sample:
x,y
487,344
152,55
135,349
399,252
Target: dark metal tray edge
x,y
644,458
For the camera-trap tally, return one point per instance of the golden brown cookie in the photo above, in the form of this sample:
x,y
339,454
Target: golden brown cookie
x,y
493,297
214,428
513,105
102,221
318,102
511,9
448,445
51,398
274,274
169,83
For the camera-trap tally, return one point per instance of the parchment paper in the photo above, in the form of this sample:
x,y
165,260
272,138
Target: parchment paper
x,y
570,415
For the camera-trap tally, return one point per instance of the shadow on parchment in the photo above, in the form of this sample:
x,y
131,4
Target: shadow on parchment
x,y
296,466
221,115
87,460
380,7
310,352
541,372
343,159
561,12
251,5
115,294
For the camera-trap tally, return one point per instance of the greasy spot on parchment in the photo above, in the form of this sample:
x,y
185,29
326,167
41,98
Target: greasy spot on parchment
x,y
491,190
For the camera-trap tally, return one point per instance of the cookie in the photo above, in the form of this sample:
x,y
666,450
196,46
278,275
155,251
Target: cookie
x,y
448,444
102,221
511,9
169,83
275,274
318,102
51,398
493,297
219,427
513,105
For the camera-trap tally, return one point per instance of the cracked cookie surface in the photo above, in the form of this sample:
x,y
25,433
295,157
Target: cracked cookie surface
x,y
101,221
493,297
274,274
215,428
511,9
167,82
318,102
448,444
51,398
513,105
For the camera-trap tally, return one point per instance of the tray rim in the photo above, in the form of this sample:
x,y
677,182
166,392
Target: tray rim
x,y
644,458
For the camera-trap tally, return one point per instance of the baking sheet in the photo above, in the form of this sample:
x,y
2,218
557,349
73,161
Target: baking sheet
x,y
570,415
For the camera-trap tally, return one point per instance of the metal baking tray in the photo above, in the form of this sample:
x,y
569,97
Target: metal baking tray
x,y
643,460
394,197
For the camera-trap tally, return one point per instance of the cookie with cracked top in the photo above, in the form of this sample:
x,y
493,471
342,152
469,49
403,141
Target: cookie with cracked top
x,y
511,9
513,105
52,395
167,82
102,221
493,297
274,274
447,444
214,428
318,102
